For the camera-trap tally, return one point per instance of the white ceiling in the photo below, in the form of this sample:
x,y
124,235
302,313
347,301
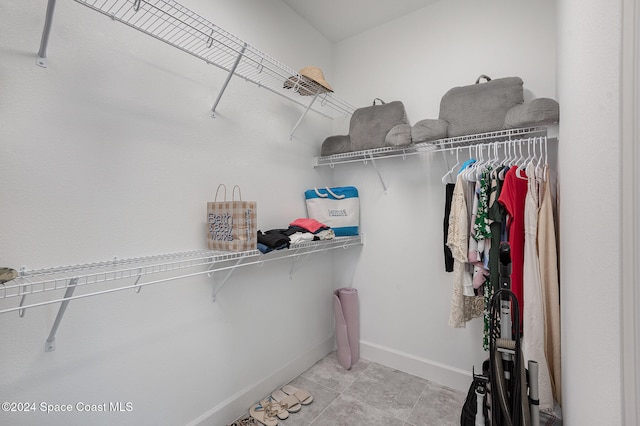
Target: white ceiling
x,y
340,19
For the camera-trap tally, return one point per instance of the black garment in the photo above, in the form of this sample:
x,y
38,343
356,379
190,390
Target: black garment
x,y
274,239
288,231
448,256
497,213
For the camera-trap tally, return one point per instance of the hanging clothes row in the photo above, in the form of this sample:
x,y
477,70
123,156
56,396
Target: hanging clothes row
x,y
502,193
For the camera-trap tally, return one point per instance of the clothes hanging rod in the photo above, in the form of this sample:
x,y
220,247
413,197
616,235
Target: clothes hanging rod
x,y
425,147
520,134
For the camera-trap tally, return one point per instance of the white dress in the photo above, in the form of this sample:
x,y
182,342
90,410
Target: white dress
x,y
463,308
533,341
548,260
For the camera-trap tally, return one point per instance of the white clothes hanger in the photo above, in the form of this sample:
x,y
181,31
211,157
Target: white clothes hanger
x,y
526,160
510,147
485,162
464,173
538,158
495,156
473,170
455,166
495,163
521,157
541,169
470,173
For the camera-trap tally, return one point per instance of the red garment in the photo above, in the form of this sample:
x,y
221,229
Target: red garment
x,y
512,197
310,225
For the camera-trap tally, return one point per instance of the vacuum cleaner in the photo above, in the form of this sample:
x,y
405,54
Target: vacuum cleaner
x,y
503,395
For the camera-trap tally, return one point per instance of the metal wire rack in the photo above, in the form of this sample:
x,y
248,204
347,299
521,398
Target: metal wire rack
x,y
123,274
430,146
174,24
371,155
489,137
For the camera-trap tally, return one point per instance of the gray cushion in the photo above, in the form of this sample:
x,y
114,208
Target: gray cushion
x,y
539,111
369,126
399,135
480,107
335,145
428,130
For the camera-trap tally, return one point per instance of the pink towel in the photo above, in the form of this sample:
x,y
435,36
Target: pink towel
x,y
345,305
310,225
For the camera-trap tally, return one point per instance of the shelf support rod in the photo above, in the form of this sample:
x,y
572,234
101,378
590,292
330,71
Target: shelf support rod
x,y
24,296
136,287
226,82
303,114
224,280
50,344
298,260
41,60
375,166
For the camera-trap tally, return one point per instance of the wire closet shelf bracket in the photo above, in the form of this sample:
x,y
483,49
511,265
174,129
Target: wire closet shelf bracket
x,y
40,287
174,24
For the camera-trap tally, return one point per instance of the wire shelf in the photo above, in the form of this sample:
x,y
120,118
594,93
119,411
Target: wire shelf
x,y
116,272
489,137
430,146
174,24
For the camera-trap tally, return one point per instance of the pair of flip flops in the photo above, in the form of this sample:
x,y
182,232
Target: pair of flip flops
x,y
247,421
279,404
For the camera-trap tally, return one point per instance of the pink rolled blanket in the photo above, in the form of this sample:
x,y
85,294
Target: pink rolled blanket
x,y
345,306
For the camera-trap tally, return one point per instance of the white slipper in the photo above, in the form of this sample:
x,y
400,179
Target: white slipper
x,y
303,396
290,402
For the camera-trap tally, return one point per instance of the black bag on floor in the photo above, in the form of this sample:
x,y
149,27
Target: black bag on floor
x,y
469,409
480,385
470,406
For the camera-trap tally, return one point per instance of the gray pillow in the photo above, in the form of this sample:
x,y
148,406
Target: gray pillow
x,y
480,107
539,111
428,130
335,145
399,135
369,126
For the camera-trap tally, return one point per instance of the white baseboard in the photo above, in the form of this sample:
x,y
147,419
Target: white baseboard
x,y
233,407
443,374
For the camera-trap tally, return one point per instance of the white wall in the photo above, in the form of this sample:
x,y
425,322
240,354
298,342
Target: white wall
x,y
404,291
589,73
111,151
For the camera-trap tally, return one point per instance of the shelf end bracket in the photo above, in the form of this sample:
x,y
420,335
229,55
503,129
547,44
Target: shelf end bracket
x,y
373,161
224,280
303,114
298,260
226,82
41,59
50,344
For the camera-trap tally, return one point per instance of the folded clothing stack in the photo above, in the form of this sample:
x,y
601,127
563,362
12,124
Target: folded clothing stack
x,y
300,230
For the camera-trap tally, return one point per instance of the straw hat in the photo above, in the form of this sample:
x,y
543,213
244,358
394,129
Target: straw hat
x,y
303,86
7,274
315,74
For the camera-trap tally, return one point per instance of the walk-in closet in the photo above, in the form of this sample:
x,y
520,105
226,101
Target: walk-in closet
x,y
120,120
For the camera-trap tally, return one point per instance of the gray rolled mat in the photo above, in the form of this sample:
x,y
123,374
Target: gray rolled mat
x,y
345,307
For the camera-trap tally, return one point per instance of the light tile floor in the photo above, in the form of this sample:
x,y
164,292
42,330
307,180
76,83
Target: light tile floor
x,y
370,394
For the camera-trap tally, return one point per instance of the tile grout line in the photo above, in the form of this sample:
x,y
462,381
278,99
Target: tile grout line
x,y
340,392
426,385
